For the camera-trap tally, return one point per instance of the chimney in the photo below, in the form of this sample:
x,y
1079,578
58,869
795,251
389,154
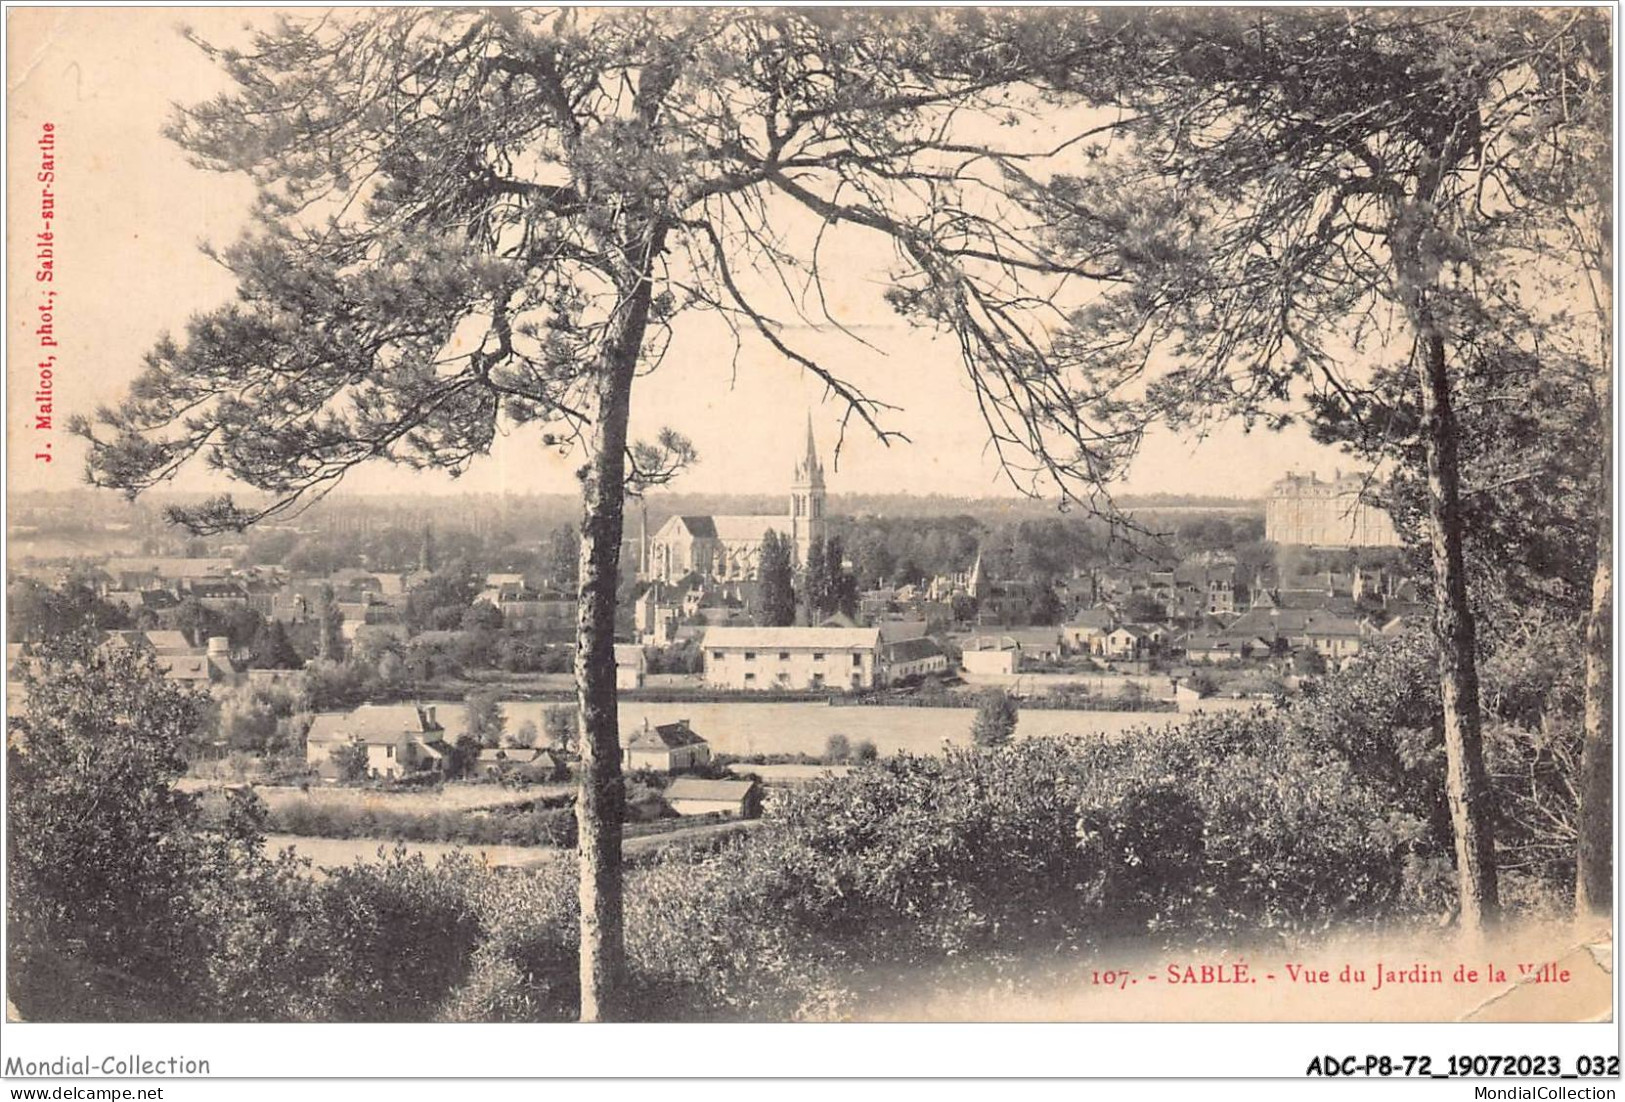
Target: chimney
x,y
219,645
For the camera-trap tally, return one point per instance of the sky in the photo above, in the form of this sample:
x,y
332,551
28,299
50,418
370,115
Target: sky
x,y
130,214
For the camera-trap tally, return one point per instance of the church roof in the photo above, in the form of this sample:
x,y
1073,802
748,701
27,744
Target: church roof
x,y
734,527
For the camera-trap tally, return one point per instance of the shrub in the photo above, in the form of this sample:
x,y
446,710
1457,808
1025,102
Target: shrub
x,y
995,722
350,759
396,936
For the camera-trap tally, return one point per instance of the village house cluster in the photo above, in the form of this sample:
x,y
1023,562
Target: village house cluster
x,y
698,597
700,589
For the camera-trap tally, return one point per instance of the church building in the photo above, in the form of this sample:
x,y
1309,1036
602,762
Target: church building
x,y
727,548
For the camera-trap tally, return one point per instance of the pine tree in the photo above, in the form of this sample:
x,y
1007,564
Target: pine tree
x,y
472,219
1303,183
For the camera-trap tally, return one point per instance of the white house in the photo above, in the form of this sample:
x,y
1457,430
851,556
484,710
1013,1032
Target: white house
x,y
1086,632
400,738
792,658
1336,637
991,654
664,748
1128,641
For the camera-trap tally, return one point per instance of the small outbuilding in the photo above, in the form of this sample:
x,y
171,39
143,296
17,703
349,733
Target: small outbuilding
x,y
693,796
631,666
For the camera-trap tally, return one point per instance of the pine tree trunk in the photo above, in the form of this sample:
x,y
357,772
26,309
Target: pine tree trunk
x,y
1594,872
1467,786
601,803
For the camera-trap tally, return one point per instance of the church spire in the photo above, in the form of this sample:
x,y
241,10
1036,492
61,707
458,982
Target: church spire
x,y
807,499
809,470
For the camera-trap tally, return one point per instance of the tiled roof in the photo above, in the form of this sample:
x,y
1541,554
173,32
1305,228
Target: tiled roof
x,y
895,631
665,736
372,721
912,650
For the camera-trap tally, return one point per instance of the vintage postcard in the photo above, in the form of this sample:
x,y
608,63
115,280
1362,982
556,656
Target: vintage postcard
x,y
809,515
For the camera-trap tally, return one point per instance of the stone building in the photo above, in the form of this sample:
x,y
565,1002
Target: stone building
x,y
1303,510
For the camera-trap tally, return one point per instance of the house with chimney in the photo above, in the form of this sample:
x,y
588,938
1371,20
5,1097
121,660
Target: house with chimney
x,y
399,739
664,747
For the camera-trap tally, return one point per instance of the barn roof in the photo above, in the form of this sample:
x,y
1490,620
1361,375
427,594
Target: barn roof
x,y
694,788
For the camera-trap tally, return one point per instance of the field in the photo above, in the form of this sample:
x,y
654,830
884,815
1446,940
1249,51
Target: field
x,y
326,853
449,797
742,729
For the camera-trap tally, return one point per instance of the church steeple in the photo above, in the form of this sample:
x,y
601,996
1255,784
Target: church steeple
x,y
808,469
807,499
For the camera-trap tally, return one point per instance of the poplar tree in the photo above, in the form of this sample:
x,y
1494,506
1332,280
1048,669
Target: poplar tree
x,y
776,575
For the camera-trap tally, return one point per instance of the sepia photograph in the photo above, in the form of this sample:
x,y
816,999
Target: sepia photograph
x,y
810,515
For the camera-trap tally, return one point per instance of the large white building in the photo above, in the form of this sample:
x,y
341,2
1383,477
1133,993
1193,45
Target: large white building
x,y
730,547
792,658
1304,510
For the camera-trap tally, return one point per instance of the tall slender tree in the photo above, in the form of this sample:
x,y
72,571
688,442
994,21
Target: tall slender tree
x,y
776,575
1298,195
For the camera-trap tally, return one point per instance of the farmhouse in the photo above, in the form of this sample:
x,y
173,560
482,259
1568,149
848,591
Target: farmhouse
x,y
400,739
665,748
792,658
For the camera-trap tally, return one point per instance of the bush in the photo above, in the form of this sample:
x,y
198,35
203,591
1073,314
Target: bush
x,y
350,759
1266,821
396,935
995,722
